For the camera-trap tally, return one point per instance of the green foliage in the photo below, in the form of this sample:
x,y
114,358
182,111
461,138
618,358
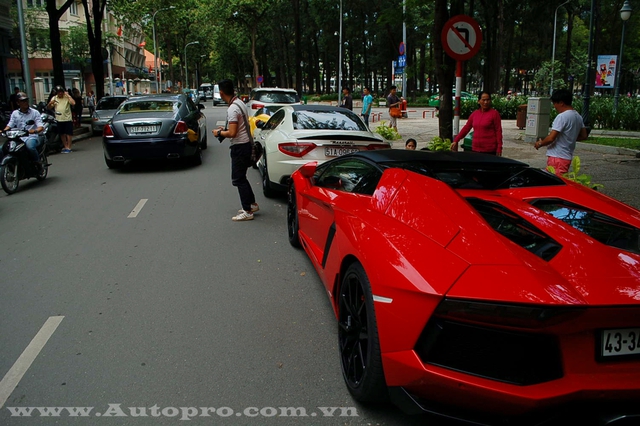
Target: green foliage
x,y
389,133
75,45
439,144
575,175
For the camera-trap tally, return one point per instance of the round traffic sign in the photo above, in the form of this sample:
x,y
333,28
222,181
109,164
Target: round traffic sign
x,y
461,37
259,79
401,48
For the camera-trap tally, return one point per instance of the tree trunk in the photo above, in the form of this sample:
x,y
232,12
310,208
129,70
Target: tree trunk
x,y
54,16
94,33
445,71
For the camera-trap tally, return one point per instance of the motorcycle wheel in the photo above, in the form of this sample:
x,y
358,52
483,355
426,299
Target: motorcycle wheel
x,y
45,168
9,178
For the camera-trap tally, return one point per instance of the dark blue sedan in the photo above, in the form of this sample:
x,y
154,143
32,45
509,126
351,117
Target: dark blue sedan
x,y
153,127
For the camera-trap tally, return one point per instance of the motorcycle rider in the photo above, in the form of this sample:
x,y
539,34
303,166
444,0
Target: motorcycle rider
x,y
19,119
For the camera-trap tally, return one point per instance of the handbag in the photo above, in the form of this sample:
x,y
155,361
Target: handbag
x,y
395,112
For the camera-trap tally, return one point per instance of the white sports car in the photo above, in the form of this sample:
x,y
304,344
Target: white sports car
x,y
297,134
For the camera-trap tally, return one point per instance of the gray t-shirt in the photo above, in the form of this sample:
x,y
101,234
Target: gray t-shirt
x,y
234,115
568,124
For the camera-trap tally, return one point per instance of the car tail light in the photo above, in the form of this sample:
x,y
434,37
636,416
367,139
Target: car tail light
x,y
375,146
181,128
256,106
107,131
296,149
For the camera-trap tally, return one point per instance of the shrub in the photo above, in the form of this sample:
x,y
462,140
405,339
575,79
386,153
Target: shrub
x,y
439,144
389,133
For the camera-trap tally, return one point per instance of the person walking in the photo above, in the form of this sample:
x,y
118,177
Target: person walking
x,y
61,104
567,128
237,129
91,102
77,107
347,101
393,102
487,128
367,102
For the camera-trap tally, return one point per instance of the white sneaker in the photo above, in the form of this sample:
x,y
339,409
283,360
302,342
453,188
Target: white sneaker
x,y
242,215
254,208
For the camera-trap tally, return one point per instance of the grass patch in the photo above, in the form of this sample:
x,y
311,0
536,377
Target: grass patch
x,y
632,143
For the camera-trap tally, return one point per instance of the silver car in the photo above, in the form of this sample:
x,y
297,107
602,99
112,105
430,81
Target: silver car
x,y
107,106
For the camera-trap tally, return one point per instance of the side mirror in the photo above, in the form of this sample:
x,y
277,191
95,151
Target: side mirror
x,y
260,124
309,169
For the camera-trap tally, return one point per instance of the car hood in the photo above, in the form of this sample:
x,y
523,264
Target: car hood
x,y
584,272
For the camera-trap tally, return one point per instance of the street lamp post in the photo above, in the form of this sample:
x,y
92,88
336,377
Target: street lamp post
x,y
625,13
155,48
586,89
553,50
186,69
340,60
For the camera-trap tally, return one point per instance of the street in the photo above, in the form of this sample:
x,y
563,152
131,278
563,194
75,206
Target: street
x,y
175,307
166,307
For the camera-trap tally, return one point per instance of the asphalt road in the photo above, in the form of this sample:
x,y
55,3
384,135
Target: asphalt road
x,y
167,304
175,307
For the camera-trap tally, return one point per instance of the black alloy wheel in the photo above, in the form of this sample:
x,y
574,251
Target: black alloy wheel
x,y
43,167
9,178
292,218
358,338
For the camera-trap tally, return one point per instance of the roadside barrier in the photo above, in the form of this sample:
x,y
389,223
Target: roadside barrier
x,y
433,113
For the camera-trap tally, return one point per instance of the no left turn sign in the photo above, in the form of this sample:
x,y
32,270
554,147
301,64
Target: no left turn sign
x,y
461,37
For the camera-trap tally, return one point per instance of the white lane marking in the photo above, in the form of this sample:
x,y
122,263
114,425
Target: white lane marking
x,y
381,299
22,364
138,207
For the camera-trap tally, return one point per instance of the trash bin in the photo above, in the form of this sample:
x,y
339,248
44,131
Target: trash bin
x,y
304,98
467,142
404,108
521,117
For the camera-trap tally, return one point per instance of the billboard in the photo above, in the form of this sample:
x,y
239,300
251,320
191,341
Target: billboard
x,y
606,71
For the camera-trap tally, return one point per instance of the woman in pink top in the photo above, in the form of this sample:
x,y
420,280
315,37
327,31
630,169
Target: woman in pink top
x,y
487,128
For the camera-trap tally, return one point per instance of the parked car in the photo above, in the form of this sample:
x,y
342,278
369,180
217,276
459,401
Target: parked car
x,y
217,99
297,134
106,107
262,96
434,101
155,126
263,114
475,286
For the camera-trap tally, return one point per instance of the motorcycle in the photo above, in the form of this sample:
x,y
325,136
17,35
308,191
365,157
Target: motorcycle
x,y
52,139
17,163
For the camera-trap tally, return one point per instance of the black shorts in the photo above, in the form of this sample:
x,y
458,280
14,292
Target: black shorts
x,y
65,127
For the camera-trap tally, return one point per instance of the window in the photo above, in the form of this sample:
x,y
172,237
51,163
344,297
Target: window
x,y
598,226
327,120
73,9
275,120
352,175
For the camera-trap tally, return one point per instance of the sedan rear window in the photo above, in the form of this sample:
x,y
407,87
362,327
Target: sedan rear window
x,y
110,103
327,120
146,106
278,97
598,226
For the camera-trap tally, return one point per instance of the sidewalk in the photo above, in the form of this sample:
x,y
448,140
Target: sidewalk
x,y
514,146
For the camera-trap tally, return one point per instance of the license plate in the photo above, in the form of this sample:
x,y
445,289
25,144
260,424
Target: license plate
x,y
337,151
622,341
142,129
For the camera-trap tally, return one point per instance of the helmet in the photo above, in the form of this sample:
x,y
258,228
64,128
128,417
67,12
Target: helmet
x,y
22,96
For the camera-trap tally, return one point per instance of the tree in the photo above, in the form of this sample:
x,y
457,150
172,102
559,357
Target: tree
x,y
94,16
54,14
37,34
76,48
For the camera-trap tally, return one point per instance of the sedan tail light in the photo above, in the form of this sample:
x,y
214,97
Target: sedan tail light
x,y
256,106
181,128
107,131
296,149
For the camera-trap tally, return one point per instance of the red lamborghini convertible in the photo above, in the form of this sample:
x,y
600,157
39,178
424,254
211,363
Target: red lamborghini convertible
x,y
475,287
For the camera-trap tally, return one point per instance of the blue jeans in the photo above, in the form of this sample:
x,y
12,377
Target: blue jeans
x,y
33,142
365,118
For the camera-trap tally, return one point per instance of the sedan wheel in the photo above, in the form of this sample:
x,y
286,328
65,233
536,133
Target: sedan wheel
x,y
267,191
292,218
358,338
